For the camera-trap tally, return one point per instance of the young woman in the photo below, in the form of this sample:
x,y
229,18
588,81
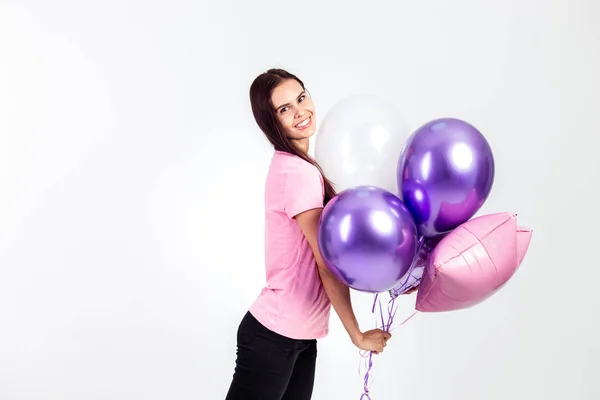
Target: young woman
x,y
277,338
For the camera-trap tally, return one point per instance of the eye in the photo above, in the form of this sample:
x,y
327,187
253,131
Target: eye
x,y
301,98
284,109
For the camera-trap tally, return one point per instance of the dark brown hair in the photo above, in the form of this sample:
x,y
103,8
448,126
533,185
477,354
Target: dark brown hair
x,y
264,114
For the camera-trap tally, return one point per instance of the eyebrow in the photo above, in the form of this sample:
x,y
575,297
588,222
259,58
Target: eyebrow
x,y
287,104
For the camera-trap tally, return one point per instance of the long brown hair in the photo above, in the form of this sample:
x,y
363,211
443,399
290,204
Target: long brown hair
x,y
264,114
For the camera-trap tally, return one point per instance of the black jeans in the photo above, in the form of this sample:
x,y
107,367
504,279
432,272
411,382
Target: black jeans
x,y
270,366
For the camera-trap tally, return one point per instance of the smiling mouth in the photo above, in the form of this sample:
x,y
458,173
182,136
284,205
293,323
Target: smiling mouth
x,y
304,123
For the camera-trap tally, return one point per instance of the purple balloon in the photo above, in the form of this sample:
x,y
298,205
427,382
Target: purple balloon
x,y
367,238
445,174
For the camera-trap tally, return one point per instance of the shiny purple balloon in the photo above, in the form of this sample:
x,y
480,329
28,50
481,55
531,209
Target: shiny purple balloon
x,y
445,174
367,238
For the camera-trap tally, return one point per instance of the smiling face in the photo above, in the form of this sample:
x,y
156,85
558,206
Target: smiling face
x,y
294,110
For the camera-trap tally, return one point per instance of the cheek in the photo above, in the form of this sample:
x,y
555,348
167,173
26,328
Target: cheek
x,y
309,105
287,121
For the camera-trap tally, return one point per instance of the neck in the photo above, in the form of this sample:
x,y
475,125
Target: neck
x,y
302,145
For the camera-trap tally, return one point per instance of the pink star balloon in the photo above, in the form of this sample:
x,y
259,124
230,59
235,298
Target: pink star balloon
x,y
472,263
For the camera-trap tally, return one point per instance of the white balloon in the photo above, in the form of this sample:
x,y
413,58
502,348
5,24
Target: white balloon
x,y
359,142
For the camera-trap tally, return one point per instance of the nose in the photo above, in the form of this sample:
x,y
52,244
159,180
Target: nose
x,y
300,112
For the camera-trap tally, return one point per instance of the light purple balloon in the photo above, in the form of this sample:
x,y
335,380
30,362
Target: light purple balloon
x,y
367,238
445,174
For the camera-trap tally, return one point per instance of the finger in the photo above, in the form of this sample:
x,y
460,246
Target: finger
x,y
387,335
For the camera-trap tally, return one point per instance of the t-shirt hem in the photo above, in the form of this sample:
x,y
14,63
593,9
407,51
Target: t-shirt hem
x,y
284,332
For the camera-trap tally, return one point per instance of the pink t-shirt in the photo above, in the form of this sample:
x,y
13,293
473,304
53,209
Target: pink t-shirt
x,y
293,303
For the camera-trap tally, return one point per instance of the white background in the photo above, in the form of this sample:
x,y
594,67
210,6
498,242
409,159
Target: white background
x,y
132,173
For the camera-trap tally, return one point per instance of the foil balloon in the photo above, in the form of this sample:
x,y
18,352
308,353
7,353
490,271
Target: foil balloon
x,y
358,143
472,263
367,238
445,174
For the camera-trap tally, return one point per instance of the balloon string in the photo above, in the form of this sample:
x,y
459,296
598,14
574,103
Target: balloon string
x,y
374,302
405,321
367,380
367,356
386,326
366,383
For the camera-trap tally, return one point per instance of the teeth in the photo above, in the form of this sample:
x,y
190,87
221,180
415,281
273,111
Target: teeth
x,y
303,123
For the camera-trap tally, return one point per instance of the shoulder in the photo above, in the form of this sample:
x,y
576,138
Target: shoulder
x,y
301,182
300,171
293,167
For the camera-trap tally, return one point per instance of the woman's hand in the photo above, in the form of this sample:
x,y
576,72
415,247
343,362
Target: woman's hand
x,y
374,340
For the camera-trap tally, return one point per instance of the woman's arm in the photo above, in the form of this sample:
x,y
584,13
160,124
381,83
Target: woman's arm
x,y
338,293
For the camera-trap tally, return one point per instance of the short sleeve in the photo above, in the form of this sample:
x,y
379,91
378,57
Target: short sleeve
x,y
303,189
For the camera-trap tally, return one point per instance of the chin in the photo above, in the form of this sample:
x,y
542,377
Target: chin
x,y
309,133
303,135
